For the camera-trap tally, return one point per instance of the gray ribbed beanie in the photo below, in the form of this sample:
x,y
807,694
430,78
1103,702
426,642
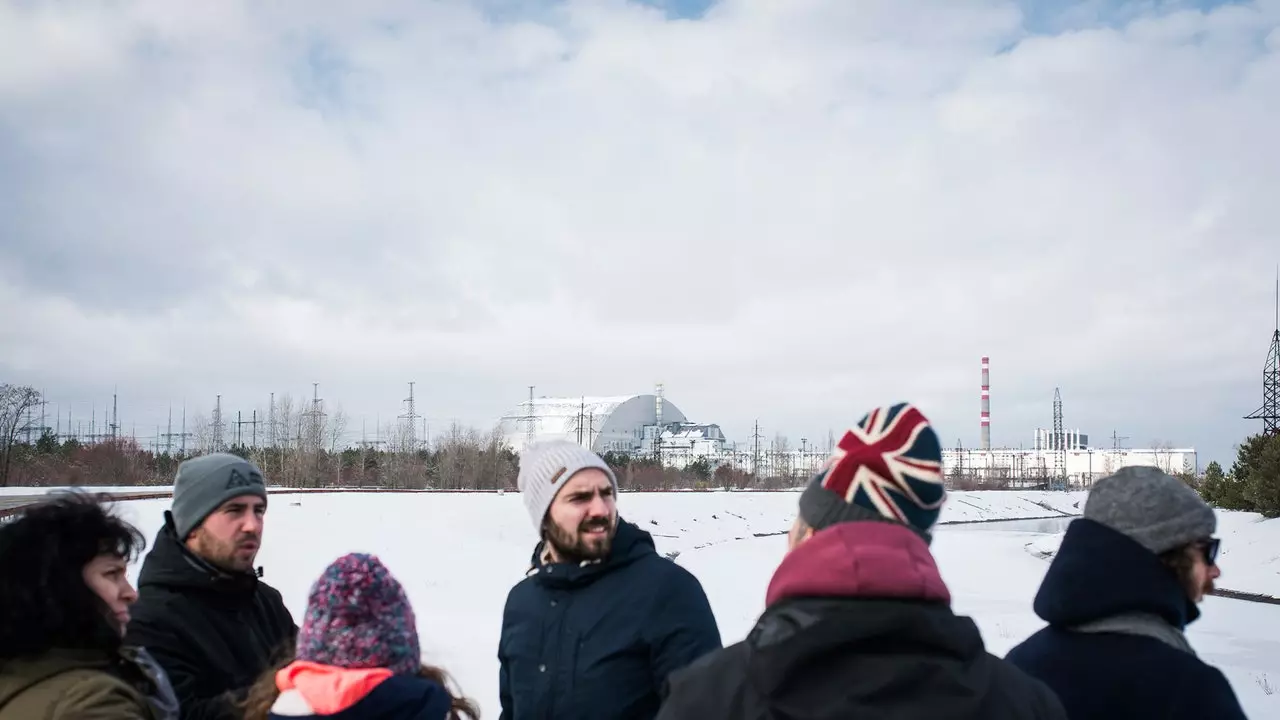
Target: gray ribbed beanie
x,y
205,482
546,466
1157,510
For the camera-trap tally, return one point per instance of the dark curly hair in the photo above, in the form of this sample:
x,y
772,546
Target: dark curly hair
x,y
44,601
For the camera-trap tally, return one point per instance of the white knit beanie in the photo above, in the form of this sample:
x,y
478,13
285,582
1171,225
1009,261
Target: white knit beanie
x,y
546,466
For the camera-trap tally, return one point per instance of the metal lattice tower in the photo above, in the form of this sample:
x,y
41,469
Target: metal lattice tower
x,y
411,417
315,418
755,450
1059,438
531,420
1269,413
218,425
169,434
115,418
271,422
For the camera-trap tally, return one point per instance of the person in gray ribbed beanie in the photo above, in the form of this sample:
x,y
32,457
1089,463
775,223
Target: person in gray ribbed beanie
x,y
546,466
205,482
1157,510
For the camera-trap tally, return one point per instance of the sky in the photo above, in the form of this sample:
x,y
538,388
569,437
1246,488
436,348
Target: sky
x,y
788,211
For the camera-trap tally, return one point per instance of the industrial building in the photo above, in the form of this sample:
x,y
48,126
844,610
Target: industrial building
x,y
1058,457
652,426
623,424
1076,467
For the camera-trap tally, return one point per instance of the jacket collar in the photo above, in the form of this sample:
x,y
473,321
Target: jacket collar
x,y
868,559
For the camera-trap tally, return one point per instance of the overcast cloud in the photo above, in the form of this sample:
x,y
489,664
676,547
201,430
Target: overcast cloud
x,y
790,210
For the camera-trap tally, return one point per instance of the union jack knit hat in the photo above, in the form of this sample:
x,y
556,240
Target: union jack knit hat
x,y
887,467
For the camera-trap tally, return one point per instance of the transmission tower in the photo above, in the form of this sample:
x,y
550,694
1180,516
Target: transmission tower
x,y
582,411
241,423
755,450
218,425
1117,441
1269,413
271,422
1059,438
115,418
169,434
411,419
315,416
44,428
530,418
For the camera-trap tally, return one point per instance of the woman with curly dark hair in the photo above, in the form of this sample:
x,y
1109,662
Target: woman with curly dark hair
x,y
64,604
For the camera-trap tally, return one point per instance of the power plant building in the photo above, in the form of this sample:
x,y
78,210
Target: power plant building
x,y
621,424
652,426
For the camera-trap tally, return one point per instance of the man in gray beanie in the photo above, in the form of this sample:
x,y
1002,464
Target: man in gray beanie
x,y
202,610
1124,584
601,619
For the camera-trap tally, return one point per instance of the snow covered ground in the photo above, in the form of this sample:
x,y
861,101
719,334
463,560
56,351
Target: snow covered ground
x,y
459,554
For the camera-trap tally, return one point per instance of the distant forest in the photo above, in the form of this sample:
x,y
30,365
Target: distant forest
x,y
302,451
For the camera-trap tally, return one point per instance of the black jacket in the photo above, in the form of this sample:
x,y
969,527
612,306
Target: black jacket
x,y
831,659
212,631
596,642
858,626
1100,573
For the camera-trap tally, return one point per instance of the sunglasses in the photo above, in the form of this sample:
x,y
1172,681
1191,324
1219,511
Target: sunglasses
x,y
1210,547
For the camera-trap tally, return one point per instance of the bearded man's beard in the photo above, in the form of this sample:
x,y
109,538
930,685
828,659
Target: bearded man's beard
x,y
223,554
574,547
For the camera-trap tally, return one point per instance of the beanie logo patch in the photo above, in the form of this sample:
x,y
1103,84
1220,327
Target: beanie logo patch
x,y
556,477
238,479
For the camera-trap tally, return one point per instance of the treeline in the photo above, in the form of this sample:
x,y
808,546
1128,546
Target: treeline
x,y
462,459
1252,483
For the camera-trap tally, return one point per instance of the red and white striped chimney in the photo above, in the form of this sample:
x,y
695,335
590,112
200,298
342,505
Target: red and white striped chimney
x,y
986,403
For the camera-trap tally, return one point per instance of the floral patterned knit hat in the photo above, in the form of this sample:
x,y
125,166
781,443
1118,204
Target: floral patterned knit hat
x,y
358,616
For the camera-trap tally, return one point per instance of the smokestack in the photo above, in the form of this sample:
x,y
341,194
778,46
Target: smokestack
x,y
986,403
657,406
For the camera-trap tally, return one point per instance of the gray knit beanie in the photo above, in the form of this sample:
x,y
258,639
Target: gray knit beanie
x,y
203,483
546,466
1157,510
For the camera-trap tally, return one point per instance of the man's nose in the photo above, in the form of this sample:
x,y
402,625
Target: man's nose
x,y
251,523
598,506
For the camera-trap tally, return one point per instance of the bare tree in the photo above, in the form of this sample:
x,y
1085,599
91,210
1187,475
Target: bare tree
x,y
1161,449
337,428
202,433
16,401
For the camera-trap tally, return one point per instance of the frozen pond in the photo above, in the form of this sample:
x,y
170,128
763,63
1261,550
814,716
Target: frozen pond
x,y
1045,526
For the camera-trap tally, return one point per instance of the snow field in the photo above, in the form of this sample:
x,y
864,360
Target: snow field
x,y
459,554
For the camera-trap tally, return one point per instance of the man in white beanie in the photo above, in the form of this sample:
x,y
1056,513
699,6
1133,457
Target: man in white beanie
x,y
601,619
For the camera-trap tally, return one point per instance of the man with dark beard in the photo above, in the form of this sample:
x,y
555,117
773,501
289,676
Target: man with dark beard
x,y
600,619
202,611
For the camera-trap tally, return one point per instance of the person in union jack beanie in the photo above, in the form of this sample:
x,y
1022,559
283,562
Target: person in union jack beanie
x,y
857,620
889,468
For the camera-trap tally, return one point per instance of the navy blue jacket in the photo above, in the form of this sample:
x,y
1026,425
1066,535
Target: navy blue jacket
x,y
398,697
1100,573
597,641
